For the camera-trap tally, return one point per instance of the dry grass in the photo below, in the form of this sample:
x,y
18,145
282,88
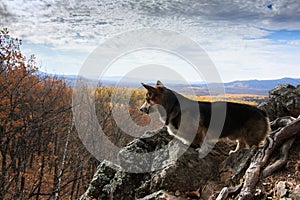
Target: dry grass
x,y
250,99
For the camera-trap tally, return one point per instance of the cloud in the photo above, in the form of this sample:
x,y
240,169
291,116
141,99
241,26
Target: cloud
x,y
236,34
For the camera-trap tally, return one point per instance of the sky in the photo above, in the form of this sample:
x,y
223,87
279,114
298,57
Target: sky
x,y
243,39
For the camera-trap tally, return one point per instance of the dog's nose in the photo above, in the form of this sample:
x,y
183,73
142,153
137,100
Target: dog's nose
x,y
143,109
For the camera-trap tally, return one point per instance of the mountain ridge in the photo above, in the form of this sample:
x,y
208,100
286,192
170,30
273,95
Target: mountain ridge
x,y
254,86
258,86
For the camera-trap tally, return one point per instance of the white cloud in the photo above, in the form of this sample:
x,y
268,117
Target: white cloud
x,y
294,42
227,30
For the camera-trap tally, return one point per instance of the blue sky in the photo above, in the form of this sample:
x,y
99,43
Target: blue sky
x,y
283,35
244,39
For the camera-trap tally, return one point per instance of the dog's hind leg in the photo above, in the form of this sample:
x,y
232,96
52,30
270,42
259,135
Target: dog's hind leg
x,y
240,145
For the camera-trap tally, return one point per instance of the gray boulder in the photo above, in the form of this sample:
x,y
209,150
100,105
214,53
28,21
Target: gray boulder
x,y
164,172
284,100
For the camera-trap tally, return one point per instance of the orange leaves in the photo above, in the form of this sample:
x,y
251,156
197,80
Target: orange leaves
x,y
35,116
11,57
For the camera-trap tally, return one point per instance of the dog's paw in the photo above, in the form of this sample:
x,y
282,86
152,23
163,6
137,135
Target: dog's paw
x,y
148,134
232,152
164,128
203,151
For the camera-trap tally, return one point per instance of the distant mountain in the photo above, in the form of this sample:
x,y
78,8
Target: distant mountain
x,y
261,87
258,86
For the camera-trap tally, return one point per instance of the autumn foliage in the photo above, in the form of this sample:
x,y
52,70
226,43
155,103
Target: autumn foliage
x,y
36,131
42,156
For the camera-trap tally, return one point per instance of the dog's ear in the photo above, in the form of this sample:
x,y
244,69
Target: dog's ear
x,y
150,88
159,83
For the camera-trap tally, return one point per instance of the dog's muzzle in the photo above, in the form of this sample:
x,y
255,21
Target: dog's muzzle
x,y
145,109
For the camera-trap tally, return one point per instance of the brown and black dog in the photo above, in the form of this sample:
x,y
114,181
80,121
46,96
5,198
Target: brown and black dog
x,y
190,121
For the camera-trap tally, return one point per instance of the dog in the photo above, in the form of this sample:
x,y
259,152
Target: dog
x,y
182,116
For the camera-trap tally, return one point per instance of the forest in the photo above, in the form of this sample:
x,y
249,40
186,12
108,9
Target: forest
x,y
42,156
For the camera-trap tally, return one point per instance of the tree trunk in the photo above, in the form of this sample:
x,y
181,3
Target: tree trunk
x,y
63,163
40,178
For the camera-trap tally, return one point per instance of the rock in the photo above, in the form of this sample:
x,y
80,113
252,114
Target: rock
x,y
177,193
161,195
188,173
295,193
281,190
105,172
284,100
287,190
258,193
231,169
166,171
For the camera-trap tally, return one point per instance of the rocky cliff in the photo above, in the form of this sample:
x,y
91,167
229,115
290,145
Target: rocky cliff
x,y
189,177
